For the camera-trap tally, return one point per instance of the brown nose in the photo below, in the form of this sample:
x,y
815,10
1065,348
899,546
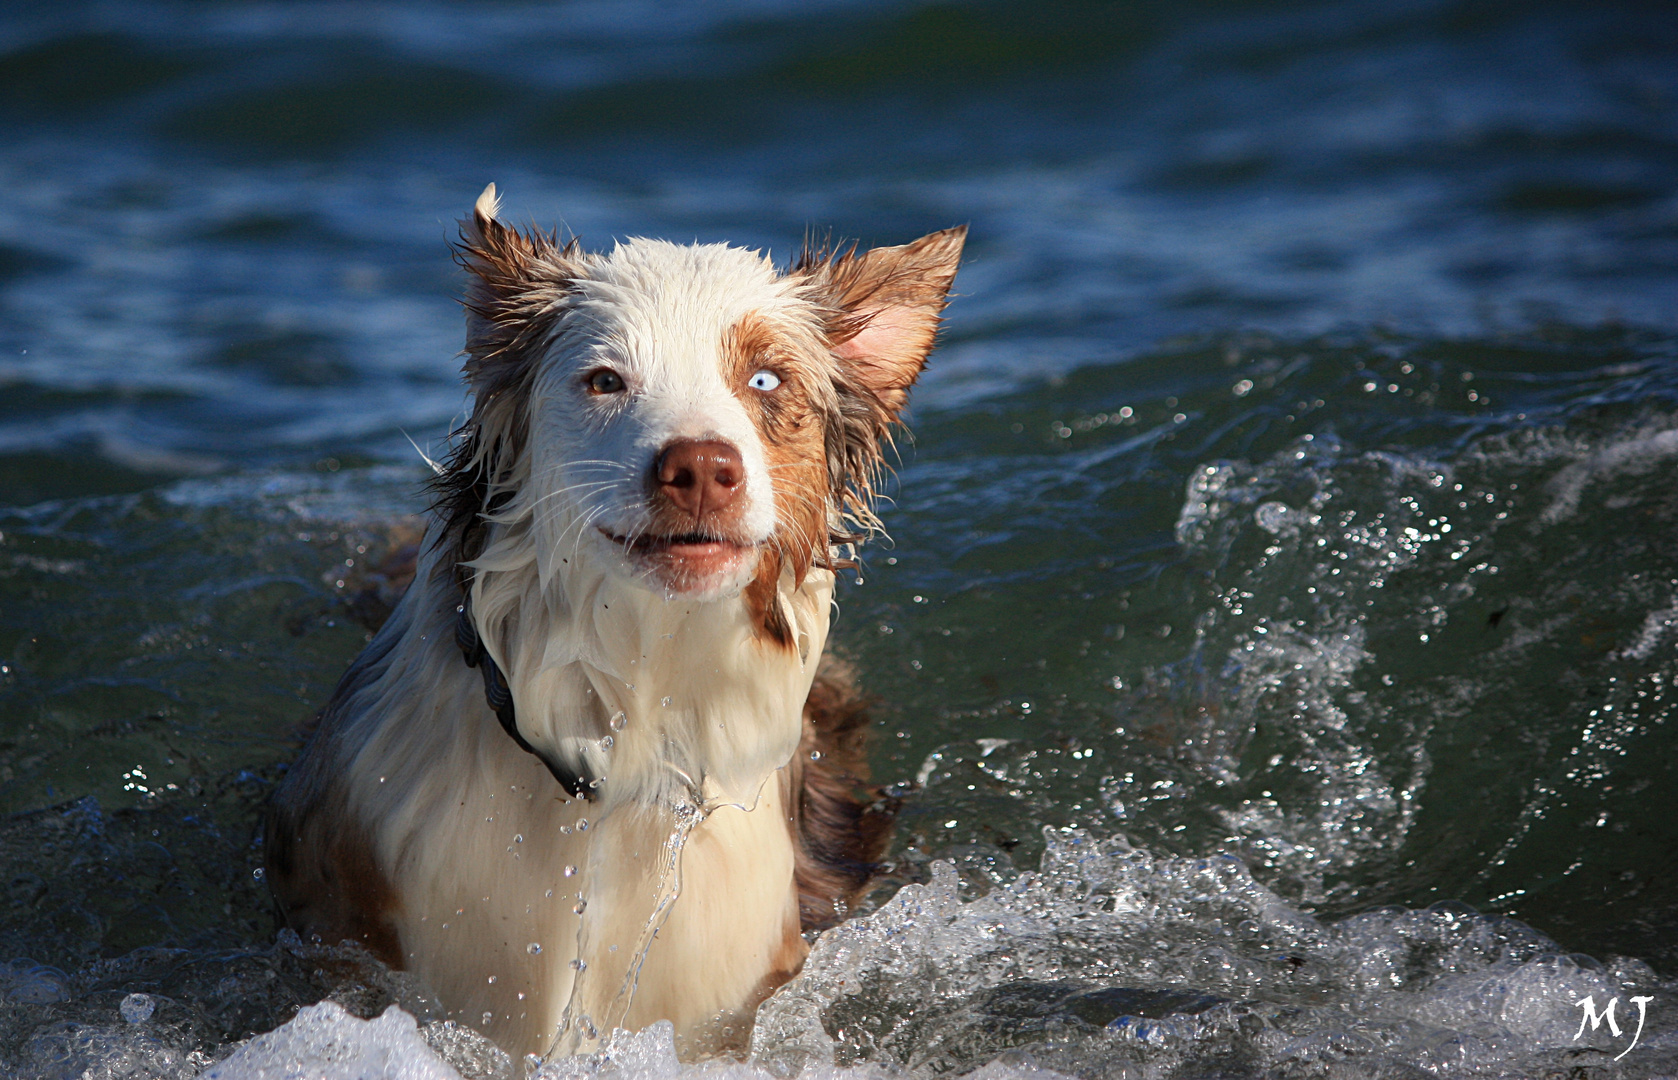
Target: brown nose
x,y
699,476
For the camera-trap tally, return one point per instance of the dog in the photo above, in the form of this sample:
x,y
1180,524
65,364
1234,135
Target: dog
x,y
594,771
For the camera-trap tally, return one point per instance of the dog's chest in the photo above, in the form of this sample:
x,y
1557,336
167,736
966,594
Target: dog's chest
x,y
531,915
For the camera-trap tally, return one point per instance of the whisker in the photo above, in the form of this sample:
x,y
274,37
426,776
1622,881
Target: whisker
x,y
599,466
581,525
586,465
591,486
577,545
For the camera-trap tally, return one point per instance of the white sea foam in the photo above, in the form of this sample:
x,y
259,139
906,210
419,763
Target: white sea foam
x,y
1657,626
1108,961
1636,452
323,1042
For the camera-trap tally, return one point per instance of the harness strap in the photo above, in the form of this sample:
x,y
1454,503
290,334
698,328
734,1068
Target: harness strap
x,y
500,699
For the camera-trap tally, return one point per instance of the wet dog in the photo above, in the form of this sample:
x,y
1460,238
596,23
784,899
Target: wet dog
x,y
594,771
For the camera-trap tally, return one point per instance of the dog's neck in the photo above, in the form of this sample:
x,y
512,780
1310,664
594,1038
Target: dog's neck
x,y
656,700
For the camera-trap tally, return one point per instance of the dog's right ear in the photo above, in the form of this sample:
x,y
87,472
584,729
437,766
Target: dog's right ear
x,y
517,281
515,290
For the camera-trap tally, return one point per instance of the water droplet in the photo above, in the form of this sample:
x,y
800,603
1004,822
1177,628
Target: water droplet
x,y
579,906
534,949
488,1016
582,824
578,965
665,703
570,870
518,838
258,873
606,742
492,978
137,1008
618,721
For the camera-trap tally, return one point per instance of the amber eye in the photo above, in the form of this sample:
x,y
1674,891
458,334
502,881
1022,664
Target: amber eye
x,y
605,381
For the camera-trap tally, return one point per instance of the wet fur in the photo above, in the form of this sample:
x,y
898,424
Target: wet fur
x,y
730,810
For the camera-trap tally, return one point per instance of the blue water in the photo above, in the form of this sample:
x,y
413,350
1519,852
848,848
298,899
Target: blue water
x,y
1292,482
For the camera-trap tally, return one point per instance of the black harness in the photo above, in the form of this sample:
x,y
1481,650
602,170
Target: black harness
x,y
500,698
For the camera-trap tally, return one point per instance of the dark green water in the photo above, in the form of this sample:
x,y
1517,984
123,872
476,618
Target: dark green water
x,y
1295,480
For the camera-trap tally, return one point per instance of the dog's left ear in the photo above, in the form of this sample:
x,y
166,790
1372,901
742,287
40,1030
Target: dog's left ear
x,y
889,300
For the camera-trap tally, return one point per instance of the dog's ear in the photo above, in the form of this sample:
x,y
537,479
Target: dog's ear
x,y
888,301
516,282
515,289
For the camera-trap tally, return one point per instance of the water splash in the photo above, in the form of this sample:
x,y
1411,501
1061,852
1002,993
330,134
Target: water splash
x,y
1112,961
577,1029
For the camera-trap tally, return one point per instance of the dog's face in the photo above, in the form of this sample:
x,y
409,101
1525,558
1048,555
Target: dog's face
x,y
689,414
680,413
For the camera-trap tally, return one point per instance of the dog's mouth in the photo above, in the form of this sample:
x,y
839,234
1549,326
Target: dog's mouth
x,y
683,544
685,562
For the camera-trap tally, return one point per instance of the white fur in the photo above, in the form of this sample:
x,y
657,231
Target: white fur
x,y
478,836
488,204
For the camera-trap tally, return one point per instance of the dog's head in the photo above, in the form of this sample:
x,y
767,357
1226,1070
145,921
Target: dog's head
x,y
691,415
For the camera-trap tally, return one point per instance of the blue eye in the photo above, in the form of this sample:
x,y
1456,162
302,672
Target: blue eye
x,y
764,381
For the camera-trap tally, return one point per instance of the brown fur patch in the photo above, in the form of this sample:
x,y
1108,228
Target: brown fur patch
x,y
790,424
318,858
841,826
763,601
327,883
787,961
